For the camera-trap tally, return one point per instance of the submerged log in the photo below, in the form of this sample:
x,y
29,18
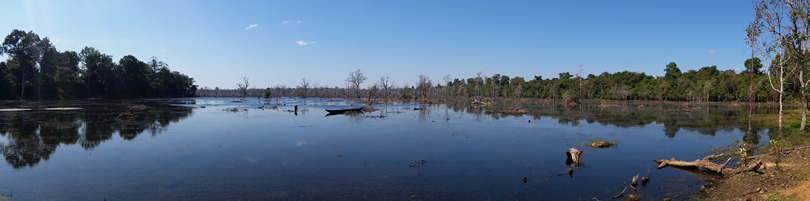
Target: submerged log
x,y
573,157
707,164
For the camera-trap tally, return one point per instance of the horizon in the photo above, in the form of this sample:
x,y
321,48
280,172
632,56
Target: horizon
x,y
278,43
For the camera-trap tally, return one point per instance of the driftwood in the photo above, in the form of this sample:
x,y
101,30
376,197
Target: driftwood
x,y
573,157
620,194
634,183
479,103
707,164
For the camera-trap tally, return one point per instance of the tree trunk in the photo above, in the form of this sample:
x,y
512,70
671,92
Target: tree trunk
x,y
804,100
22,83
39,84
707,164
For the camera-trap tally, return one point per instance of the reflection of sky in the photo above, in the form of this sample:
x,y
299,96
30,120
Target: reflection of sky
x,y
275,154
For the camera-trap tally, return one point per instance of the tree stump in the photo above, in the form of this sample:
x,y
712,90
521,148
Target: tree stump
x,y
573,157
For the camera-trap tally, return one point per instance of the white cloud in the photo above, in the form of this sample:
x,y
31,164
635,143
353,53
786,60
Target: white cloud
x,y
55,41
251,26
303,43
712,51
290,21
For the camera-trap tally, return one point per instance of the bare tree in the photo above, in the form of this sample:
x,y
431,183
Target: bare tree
x,y
354,80
447,87
383,83
770,17
423,86
244,86
304,86
798,30
371,91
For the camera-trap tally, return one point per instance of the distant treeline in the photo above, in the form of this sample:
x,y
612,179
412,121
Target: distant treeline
x,y
36,70
705,84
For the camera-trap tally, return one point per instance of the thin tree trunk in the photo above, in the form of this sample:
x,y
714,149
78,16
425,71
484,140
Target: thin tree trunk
x,y
781,93
22,84
804,100
39,85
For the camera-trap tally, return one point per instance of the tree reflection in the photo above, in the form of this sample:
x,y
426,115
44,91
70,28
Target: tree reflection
x,y
703,118
26,151
34,135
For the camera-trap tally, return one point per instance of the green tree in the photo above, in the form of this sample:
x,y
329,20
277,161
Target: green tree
x,y
67,75
23,47
5,82
753,63
50,60
134,75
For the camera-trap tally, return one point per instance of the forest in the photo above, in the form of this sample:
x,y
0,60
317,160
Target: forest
x,y
36,70
707,84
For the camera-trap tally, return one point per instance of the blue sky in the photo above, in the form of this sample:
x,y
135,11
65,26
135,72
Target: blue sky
x,y
280,42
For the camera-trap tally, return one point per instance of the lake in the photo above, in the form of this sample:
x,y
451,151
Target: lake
x,y
245,149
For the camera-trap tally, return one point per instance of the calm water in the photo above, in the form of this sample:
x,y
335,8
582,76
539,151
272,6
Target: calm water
x,y
203,149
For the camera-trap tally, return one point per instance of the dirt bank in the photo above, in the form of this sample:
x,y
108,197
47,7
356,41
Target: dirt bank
x,y
785,178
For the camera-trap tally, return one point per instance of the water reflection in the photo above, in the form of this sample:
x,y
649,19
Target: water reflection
x,y
244,149
34,135
706,119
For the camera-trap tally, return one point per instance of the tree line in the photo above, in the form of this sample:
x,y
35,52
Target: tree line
x,y
707,84
36,70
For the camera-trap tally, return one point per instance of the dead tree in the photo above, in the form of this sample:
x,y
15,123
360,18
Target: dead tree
x,y
707,164
244,86
304,86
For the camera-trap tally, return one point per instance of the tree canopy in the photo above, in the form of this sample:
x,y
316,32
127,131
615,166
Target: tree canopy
x,y
35,69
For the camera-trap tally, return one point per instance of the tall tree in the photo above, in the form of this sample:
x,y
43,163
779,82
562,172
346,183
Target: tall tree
x,y
422,86
50,60
385,85
671,90
5,82
134,82
24,47
244,86
67,75
355,79
98,70
304,86
773,18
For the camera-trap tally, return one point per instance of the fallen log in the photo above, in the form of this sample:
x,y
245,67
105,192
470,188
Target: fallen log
x,y
707,164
